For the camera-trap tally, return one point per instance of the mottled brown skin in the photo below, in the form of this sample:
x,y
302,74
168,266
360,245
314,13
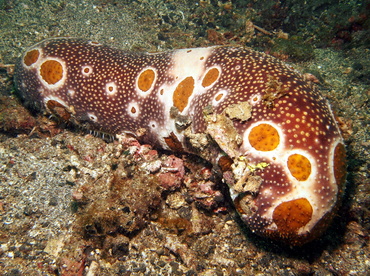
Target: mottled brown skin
x,y
292,128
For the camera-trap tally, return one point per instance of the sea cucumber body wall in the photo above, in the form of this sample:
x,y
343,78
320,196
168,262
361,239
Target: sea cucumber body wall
x,y
275,131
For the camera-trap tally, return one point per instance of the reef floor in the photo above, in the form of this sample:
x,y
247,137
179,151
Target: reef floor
x,y
74,204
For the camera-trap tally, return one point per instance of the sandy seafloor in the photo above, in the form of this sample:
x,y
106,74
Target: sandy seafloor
x,y
72,204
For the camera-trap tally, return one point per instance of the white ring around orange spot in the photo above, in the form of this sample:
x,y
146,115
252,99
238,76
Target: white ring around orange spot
x,y
145,81
92,117
255,99
54,98
32,58
133,110
219,97
272,156
111,88
62,79
211,76
285,159
331,163
86,70
94,43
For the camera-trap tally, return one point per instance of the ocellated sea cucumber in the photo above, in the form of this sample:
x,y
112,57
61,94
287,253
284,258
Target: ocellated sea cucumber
x,y
270,133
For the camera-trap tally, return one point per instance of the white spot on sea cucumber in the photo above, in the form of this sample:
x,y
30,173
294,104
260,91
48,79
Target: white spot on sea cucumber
x,y
94,43
133,110
219,97
86,70
153,124
189,62
55,99
163,95
71,92
111,88
92,117
254,99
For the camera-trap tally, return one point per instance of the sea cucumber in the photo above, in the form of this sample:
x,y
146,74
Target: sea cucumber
x,y
269,132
